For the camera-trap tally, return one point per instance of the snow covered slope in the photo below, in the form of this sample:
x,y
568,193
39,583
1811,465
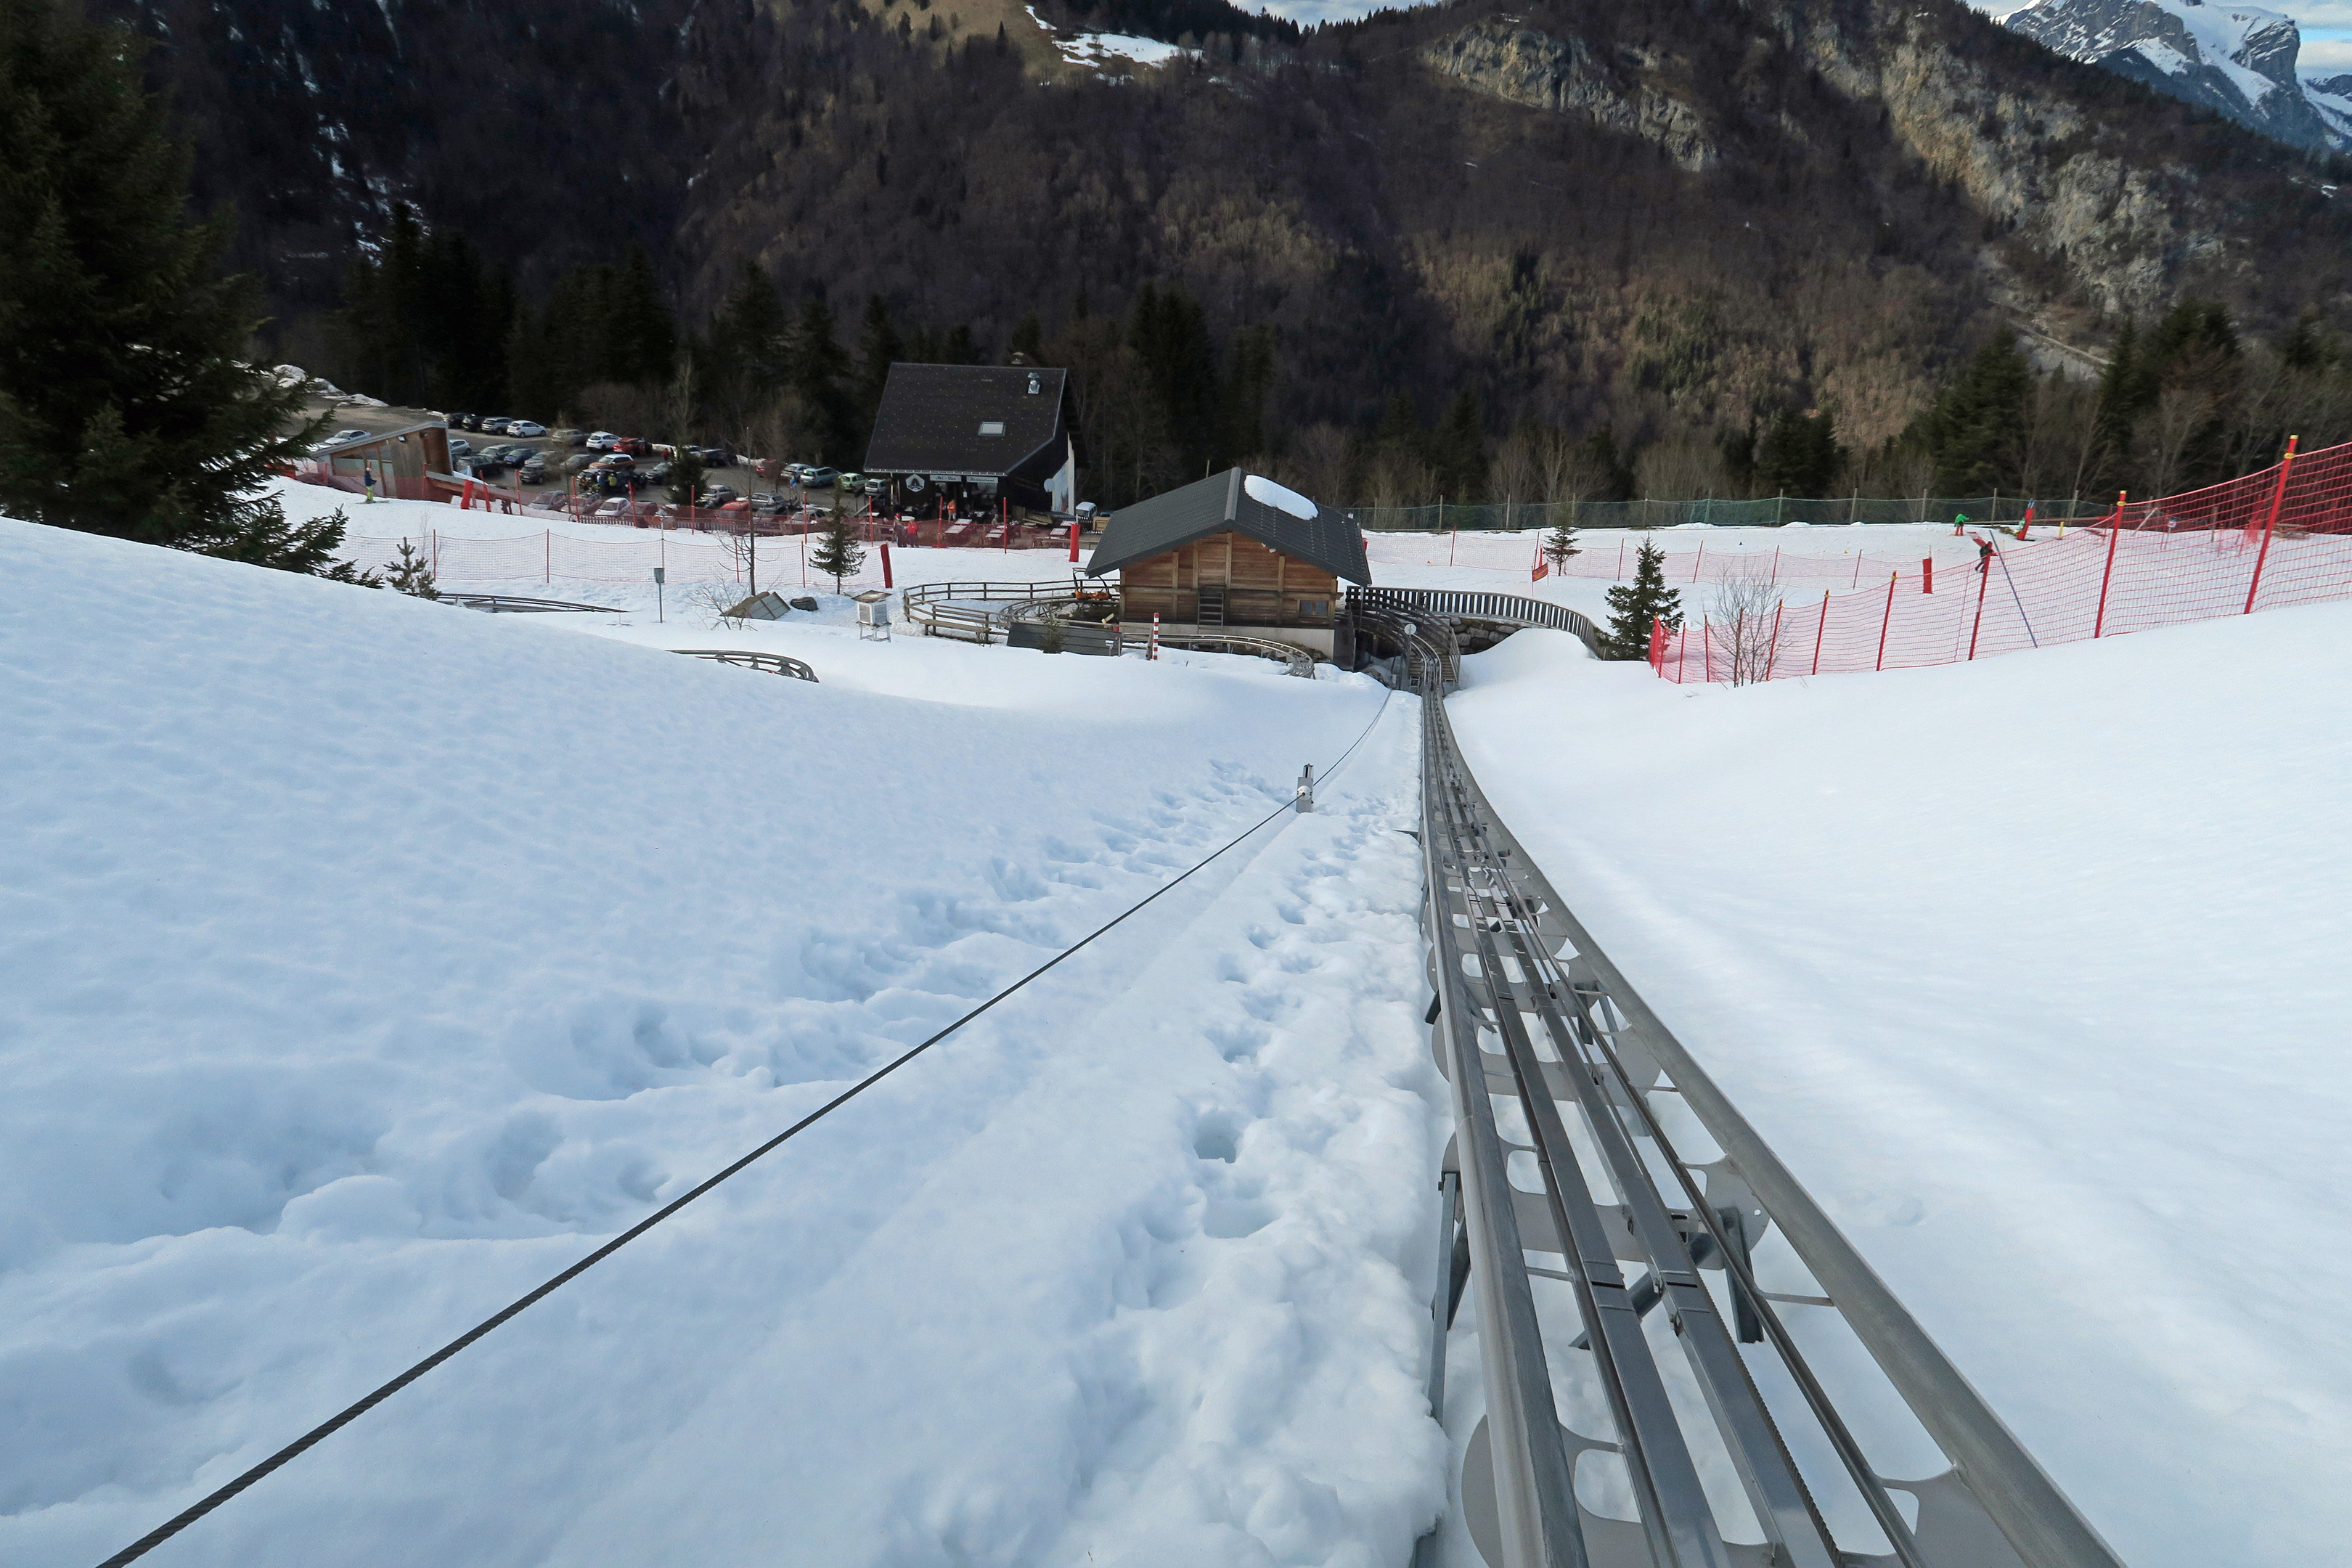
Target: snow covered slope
x,y
2033,970
2239,60
367,959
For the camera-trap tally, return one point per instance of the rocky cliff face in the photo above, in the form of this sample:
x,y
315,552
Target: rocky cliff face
x,y
1506,58
2240,61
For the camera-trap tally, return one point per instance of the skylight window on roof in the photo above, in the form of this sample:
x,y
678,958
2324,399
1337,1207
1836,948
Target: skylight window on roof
x,y
992,427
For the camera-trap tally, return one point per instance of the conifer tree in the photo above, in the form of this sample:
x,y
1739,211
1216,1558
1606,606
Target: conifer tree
x,y
1560,542
1634,606
1458,448
686,471
411,574
838,555
878,347
816,369
124,406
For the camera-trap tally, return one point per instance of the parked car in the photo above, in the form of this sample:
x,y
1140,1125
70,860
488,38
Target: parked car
x,y
459,448
851,481
525,427
567,438
819,478
876,487
657,475
533,470
600,440
718,495
720,457
339,436
576,463
486,468
460,422
620,462
617,507
635,446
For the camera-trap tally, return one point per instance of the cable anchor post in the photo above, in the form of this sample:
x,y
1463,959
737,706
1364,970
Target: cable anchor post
x,y
1307,790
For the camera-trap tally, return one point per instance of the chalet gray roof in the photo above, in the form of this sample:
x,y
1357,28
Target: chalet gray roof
x,y
978,419
1244,502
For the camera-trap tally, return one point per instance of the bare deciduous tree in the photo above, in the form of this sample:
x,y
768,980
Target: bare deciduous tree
x,y
1744,625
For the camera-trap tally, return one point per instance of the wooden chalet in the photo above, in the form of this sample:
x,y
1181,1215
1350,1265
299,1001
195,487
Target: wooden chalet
x,y
1236,552
404,462
975,436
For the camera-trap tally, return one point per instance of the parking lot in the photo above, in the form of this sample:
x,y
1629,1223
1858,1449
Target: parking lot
x,y
739,477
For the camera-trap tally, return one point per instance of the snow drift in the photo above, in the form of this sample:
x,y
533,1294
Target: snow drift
x,y
367,959
2033,970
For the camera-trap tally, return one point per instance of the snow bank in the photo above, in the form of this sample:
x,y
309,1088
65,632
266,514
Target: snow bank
x,y
369,959
2033,970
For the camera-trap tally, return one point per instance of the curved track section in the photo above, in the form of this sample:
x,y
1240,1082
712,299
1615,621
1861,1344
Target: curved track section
x,y
1702,1436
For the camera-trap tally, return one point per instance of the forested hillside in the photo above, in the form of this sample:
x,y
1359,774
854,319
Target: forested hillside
x,y
1671,245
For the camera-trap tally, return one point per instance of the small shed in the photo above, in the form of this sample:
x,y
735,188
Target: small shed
x,y
400,460
1234,552
978,433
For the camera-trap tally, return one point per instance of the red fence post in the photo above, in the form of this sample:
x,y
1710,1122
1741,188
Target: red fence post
x,y
1705,646
1821,631
1887,620
2107,574
1658,646
885,565
1699,560
1927,575
1984,579
1772,648
1073,541
2278,497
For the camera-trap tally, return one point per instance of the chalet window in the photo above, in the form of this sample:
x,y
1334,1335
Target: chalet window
x,y
1314,609
992,427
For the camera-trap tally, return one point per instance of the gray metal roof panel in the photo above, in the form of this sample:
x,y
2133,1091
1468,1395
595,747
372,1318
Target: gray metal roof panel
x,y
1177,518
931,418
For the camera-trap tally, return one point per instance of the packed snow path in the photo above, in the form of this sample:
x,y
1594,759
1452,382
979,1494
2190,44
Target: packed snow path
x,y
371,959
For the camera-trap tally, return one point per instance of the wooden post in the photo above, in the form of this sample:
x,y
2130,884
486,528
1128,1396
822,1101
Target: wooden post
x,y
2278,497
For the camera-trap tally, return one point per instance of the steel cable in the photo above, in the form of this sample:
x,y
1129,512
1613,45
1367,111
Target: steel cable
x,y
360,1407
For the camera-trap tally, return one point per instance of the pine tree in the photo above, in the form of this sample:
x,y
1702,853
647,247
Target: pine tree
x,y
817,365
838,555
1028,339
1798,455
124,406
264,537
1560,542
1634,607
878,348
1613,467
412,574
686,471
641,336
1458,448
751,335
1977,429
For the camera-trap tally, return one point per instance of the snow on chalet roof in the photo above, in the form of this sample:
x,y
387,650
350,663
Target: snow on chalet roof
x,y
1276,517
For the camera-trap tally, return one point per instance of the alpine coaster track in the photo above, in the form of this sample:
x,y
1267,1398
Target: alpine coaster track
x,y
1549,1051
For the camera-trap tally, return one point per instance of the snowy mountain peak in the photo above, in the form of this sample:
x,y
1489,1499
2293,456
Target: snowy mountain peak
x,y
2238,59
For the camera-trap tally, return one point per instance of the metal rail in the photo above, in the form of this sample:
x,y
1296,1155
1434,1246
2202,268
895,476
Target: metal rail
x,y
952,609
1531,1015
1300,661
1502,609
773,663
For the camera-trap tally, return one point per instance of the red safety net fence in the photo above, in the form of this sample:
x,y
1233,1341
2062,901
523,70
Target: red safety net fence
x,y
2270,540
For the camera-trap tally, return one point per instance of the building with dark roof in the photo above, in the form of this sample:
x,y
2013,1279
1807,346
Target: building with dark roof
x,y
1234,552
978,433
401,462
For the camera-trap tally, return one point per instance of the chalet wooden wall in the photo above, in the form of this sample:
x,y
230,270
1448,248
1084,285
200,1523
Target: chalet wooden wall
x,y
1262,587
